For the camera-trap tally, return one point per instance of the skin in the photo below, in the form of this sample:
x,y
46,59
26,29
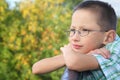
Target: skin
x,y
48,64
79,46
86,19
77,54
56,62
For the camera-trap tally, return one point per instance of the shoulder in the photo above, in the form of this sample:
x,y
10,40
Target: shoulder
x,y
114,47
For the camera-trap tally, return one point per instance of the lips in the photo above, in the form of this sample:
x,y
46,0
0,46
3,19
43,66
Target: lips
x,y
76,46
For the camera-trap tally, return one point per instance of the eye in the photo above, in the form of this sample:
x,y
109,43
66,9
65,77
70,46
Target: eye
x,y
85,29
72,29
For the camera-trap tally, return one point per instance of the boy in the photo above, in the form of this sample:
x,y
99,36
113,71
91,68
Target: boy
x,y
92,27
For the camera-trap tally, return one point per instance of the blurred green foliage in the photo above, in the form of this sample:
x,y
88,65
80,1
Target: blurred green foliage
x,y
30,32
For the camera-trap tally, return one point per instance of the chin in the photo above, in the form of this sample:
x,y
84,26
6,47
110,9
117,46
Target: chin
x,y
76,50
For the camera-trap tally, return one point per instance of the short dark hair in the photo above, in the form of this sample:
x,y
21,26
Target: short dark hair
x,y
107,18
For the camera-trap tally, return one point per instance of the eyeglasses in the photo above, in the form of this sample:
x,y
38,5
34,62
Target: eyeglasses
x,y
82,32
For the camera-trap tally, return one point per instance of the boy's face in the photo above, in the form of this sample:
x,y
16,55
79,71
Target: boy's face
x,y
85,20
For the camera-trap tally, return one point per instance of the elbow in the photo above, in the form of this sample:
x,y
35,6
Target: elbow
x,y
37,70
71,67
34,72
75,67
34,69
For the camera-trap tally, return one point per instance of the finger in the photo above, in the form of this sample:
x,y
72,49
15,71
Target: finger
x,y
105,50
102,52
61,49
91,52
69,44
99,51
65,45
106,53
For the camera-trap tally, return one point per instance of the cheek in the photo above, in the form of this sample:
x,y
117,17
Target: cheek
x,y
89,43
93,43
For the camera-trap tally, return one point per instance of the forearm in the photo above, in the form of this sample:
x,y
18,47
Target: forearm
x,y
78,61
81,62
48,64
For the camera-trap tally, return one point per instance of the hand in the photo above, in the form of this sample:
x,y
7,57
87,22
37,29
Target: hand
x,y
78,62
102,51
67,50
70,57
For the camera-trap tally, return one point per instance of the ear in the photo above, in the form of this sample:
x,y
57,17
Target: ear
x,y
109,37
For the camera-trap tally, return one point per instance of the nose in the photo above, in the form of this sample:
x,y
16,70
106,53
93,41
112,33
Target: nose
x,y
76,36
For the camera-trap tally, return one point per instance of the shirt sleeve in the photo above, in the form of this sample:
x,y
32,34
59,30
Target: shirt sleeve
x,y
111,67
65,75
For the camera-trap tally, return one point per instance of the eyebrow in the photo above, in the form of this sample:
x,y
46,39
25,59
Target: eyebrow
x,y
72,27
79,27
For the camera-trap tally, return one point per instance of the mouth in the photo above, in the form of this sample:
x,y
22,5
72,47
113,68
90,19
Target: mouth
x,y
77,46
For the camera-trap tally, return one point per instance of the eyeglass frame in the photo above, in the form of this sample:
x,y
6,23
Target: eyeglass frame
x,y
88,31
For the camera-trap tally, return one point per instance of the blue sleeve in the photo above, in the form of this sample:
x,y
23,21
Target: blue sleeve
x,y
65,75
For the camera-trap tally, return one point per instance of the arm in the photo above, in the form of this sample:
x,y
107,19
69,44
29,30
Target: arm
x,y
80,62
48,64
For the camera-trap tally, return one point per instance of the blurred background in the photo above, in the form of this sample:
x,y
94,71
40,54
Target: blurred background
x,y
31,30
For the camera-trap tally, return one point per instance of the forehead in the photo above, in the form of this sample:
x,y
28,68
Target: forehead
x,y
84,18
